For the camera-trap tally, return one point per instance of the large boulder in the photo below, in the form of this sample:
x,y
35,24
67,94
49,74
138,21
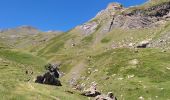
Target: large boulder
x,y
53,68
50,79
51,76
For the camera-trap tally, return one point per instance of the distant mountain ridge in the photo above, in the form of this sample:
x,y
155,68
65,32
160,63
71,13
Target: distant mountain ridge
x,y
25,36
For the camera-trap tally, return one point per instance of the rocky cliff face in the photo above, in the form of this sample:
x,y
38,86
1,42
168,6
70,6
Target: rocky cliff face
x,y
144,18
116,16
101,19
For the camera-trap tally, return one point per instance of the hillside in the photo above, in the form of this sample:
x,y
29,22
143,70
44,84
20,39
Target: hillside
x,y
25,37
122,50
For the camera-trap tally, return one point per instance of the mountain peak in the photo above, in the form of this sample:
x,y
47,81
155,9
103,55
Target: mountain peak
x,y
114,6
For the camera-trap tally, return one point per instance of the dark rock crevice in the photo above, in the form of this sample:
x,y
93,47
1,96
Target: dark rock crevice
x,y
111,24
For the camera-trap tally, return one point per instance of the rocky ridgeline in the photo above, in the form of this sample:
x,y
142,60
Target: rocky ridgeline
x,y
116,16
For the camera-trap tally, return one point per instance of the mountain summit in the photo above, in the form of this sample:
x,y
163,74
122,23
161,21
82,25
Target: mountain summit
x,y
114,6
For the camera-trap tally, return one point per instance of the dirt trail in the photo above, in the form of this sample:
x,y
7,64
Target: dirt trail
x,y
76,71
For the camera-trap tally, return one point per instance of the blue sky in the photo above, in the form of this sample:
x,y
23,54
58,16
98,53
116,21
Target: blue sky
x,y
52,14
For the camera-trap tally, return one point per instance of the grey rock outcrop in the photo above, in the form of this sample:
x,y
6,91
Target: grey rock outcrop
x,y
88,27
116,16
101,19
142,18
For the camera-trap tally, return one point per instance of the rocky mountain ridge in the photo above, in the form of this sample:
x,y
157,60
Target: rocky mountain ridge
x,y
116,16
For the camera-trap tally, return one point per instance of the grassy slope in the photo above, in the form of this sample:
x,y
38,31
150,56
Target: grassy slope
x,y
23,40
14,83
151,76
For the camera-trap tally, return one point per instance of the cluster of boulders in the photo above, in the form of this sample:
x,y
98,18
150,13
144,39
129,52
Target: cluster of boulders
x,y
93,92
51,76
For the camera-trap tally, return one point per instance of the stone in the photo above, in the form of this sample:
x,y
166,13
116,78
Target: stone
x,y
131,45
96,70
130,76
141,98
134,62
143,44
120,78
100,97
79,87
53,68
163,51
73,44
168,68
51,76
39,79
109,96
91,92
